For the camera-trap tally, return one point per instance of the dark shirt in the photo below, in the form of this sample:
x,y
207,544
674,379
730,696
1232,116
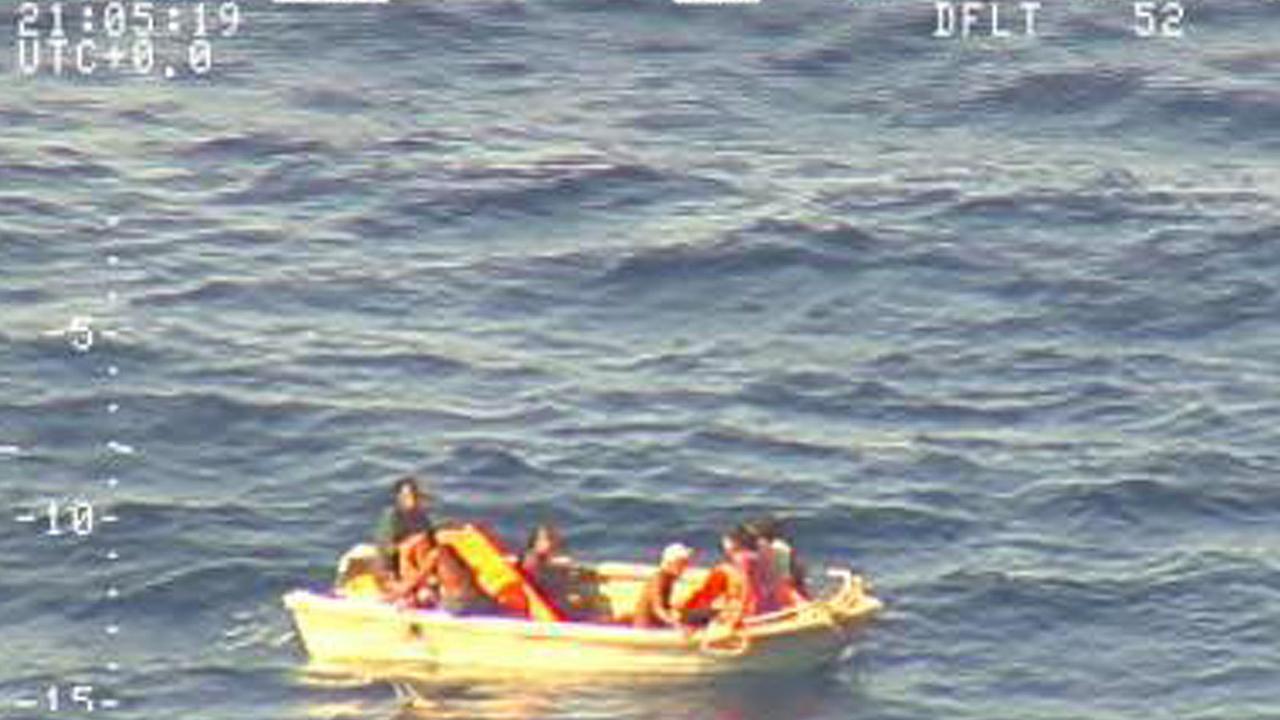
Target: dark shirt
x,y
550,577
395,526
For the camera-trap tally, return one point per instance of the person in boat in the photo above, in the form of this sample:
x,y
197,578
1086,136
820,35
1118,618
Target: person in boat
x,y
362,573
732,590
433,574
782,573
766,579
542,564
654,608
408,515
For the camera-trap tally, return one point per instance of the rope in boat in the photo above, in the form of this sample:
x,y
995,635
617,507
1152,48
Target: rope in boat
x,y
732,644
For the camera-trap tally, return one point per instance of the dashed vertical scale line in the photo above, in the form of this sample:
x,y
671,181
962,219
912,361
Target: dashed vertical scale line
x,y
114,448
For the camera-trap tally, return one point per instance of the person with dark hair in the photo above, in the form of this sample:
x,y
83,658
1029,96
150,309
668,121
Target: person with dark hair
x,y
409,514
781,572
537,561
732,589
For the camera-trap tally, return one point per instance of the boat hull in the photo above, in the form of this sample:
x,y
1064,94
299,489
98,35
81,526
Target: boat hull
x,y
369,634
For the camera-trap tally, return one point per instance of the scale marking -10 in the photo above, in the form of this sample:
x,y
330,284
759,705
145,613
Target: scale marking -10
x,y
79,518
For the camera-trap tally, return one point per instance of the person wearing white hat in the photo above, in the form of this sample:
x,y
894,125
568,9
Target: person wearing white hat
x,y
654,608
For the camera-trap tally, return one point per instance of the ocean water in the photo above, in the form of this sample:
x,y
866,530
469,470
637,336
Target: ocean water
x,y
995,321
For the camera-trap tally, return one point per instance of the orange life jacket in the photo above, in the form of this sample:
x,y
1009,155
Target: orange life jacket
x,y
732,588
496,575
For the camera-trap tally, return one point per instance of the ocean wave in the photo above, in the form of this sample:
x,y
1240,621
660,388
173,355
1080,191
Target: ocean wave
x,y
159,425
606,7
56,171
1247,60
1164,597
151,113
251,147
1193,419
666,45
1259,242
1220,257
828,58
818,391
1154,287
953,258
620,429
503,68
684,360
1149,502
1061,91
1077,205
1240,13
15,117
26,207
530,282
1015,601
767,246
420,363
470,21
212,290
291,290
829,394
888,196
420,140
333,100
731,439
683,117
208,586
490,460
1040,361
169,553
932,463
1224,581
1242,114
725,259
839,529
291,181
1209,461
549,187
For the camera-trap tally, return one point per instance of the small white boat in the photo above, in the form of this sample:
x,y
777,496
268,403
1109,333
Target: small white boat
x,y
366,633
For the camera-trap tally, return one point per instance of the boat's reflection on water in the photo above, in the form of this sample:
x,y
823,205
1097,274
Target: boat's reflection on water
x,y
453,694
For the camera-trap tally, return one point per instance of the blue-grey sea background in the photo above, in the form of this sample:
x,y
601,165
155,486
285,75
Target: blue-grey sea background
x,y
996,322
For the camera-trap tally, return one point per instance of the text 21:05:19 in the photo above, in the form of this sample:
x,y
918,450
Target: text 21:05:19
x,y
139,17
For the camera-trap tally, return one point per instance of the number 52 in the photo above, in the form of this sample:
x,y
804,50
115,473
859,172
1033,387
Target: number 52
x,y
1158,19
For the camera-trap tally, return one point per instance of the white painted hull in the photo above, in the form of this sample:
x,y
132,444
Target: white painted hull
x,y
369,633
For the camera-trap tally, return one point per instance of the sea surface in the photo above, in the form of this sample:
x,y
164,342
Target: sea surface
x,y
994,321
